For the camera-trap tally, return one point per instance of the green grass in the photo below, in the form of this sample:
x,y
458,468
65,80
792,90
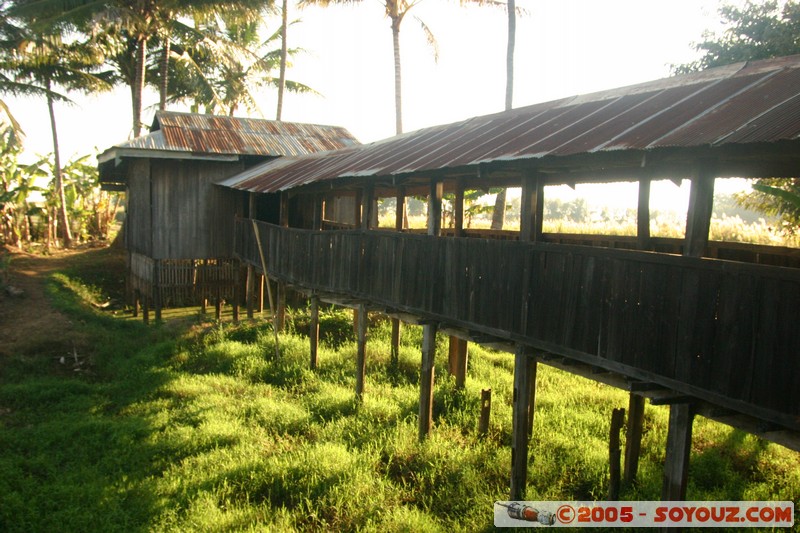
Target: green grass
x,y
190,426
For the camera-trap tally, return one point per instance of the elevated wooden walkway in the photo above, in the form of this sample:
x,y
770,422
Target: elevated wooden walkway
x,y
720,331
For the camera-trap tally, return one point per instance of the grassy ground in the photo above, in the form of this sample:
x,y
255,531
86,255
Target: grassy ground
x,y
195,426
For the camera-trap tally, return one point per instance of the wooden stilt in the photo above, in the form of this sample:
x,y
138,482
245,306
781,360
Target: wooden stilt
x,y
263,279
313,334
395,348
146,309
524,383
458,360
157,289
361,342
486,410
426,380
250,290
281,316
633,436
614,453
679,445
137,296
218,308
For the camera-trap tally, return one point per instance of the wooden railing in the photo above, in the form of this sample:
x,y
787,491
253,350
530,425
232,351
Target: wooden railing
x,y
723,331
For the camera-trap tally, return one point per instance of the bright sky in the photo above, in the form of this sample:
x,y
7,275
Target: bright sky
x,y
564,48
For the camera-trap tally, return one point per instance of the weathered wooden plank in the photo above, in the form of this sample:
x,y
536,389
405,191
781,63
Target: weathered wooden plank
x,y
679,445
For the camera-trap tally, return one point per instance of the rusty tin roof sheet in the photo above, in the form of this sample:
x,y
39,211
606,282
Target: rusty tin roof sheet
x,y
755,102
221,135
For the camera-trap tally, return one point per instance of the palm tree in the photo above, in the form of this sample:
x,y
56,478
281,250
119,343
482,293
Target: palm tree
x,y
396,11
220,70
499,212
39,61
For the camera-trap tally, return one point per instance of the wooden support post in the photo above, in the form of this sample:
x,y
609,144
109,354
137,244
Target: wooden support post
x,y
435,208
361,357
203,304
458,360
400,209
157,288
531,394
218,307
531,208
698,219
284,210
313,334
137,297
367,204
426,380
235,302
399,220
643,215
319,205
524,382
280,317
679,445
633,436
458,208
486,410
250,290
614,453
262,282
395,348
357,205
146,309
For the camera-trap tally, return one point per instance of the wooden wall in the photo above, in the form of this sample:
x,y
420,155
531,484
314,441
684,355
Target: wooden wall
x,y
175,211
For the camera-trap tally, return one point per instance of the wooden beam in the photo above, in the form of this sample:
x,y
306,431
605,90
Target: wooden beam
x,y
400,209
633,436
313,333
284,210
395,347
698,219
458,208
531,208
426,380
367,205
280,312
250,289
643,215
361,356
357,203
524,382
679,445
435,208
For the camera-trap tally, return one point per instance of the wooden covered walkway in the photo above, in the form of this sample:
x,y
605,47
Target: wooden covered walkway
x,y
715,336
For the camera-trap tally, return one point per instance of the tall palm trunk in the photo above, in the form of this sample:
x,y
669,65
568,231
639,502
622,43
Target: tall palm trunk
x,y
398,99
164,81
138,84
512,34
63,219
499,212
284,54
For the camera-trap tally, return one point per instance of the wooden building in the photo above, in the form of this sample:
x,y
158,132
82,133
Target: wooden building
x,y
708,328
178,228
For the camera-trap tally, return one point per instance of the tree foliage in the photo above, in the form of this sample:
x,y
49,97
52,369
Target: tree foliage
x,y
756,30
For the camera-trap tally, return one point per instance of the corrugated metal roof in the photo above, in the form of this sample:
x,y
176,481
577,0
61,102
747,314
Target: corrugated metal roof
x,y
220,135
753,102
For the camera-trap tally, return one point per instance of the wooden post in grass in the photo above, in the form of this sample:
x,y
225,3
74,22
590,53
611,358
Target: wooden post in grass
x,y
399,217
146,309
486,410
157,288
679,445
137,297
361,359
458,360
614,453
524,387
313,334
426,380
633,436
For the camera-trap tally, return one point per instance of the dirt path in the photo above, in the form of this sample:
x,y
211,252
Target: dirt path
x,y
29,325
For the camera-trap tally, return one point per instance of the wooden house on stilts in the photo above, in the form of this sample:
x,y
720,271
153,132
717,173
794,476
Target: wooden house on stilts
x,y
179,226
